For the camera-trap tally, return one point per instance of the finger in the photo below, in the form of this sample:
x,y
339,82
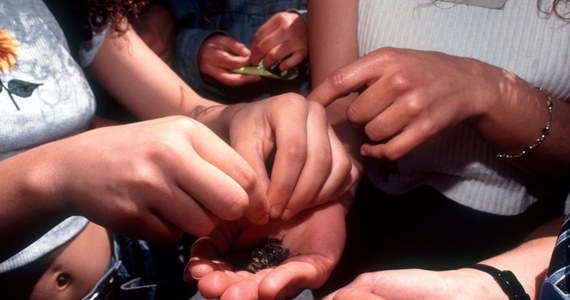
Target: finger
x,y
289,279
247,288
292,60
259,43
224,181
281,52
237,48
370,103
197,269
225,60
216,283
204,256
350,294
343,81
266,29
318,163
255,154
389,122
228,44
399,145
291,154
341,179
177,209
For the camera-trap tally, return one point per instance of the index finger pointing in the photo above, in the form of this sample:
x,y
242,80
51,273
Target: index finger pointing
x,y
341,82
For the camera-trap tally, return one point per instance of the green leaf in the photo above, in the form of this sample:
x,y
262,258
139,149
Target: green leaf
x,y
272,72
22,88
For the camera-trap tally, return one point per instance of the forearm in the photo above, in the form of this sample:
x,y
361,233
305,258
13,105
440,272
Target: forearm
x,y
528,262
30,204
513,116
329,23
137,78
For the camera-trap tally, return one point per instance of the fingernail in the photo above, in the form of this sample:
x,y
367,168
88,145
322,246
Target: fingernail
x,y
189,277
287,215
276,211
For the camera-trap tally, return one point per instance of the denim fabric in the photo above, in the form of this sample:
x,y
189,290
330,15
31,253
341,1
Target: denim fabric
x,y
130,274
240,19
556,285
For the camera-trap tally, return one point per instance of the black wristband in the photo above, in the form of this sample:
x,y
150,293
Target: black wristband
x,y
506,280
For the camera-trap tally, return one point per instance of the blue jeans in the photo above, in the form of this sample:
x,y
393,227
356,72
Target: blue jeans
x,y
130,274
556,285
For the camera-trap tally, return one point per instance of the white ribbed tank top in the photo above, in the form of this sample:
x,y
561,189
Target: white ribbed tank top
x,y
518,38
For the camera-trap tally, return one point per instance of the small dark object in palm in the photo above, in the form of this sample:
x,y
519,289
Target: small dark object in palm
x,y
270,254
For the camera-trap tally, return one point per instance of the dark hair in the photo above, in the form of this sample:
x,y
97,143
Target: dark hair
x,y
98,14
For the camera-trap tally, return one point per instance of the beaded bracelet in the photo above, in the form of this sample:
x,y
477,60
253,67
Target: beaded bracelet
x,y
544,133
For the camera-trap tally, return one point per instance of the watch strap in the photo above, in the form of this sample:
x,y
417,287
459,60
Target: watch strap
x,y
506,280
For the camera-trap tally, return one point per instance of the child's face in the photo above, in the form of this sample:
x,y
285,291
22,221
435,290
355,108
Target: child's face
x,y
77,266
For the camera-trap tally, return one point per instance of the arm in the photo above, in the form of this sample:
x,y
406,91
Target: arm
x,y
528,262
289,125
157,28
150,176
332,21
136,77
408,100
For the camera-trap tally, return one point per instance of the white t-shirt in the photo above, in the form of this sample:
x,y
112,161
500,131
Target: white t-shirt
x,y
44,97
59,102
518,38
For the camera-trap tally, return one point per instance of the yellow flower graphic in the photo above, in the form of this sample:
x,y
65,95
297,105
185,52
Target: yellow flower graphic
x,y
8,47
8,56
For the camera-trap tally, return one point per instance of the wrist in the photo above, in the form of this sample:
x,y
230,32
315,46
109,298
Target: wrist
x,y
500,283
476,284
41,181
216,117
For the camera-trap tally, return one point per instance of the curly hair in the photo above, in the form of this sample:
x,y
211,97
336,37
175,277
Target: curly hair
x,y
98,14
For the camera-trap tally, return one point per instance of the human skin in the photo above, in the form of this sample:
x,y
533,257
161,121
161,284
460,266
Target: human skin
x,y
528,262
287,279
295,129
405,104
157,29
149,176
283,38
315,239
76,266
412,96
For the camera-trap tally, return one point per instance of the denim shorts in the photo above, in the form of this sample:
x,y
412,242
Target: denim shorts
x,y
124,278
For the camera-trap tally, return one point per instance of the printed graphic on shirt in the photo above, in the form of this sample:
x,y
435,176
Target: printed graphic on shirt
x,y
8,58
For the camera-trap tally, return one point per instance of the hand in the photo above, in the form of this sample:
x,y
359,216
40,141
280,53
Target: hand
x,y
411,96
221,53
283,38
420,284
315,239
157,178
157,29
310,167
